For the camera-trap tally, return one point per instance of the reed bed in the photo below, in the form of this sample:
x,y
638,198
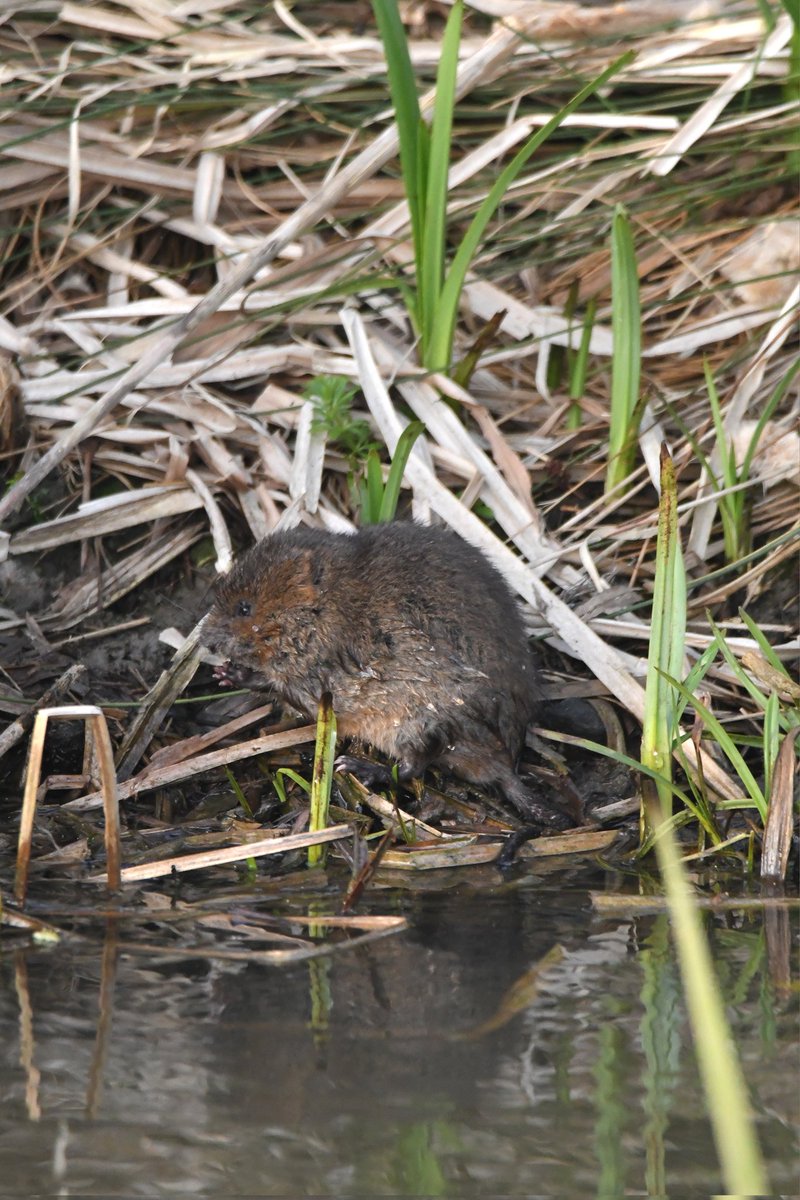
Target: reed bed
x,y
203,212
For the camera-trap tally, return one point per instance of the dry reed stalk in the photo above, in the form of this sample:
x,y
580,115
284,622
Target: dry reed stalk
x,y
229,854
98,744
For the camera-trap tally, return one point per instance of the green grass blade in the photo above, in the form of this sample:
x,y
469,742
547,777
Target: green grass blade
x,y
287,773
731,507
771,740
580,367
769,408
372,490
391,491
441,348
430,269
725,1088
667,638
694,773
728,747
743,677
238,793
627,352
625,760
403,89
791,84
727,457
696,675
322,778
763,644
423,163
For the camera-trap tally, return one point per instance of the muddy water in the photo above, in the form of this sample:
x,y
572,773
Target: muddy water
x,y
439,1062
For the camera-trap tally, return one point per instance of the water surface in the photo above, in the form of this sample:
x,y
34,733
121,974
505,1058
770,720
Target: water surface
x,y
442,1061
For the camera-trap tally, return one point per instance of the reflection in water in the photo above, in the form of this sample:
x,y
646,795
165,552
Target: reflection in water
x,y
26,1039
512,1042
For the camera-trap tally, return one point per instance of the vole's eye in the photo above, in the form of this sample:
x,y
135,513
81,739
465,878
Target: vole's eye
x,y
244,608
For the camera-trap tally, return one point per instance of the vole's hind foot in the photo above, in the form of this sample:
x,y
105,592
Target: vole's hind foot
x,y
486,765
374,776
541,813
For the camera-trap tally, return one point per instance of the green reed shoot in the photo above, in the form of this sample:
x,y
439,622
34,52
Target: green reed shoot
x,y
425,163
322,777
667,641
626,362
379,499
579,368
791,83
732,477
278,783
720,1071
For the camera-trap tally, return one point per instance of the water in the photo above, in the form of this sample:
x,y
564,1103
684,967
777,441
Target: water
x,y
436,1062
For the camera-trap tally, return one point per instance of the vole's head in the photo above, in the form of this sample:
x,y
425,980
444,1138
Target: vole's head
x,y
264,609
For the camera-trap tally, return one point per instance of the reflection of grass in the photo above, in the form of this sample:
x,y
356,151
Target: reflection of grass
x,y
611,1109
416,1166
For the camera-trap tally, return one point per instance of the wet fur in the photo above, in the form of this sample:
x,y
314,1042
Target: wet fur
x,y
413,632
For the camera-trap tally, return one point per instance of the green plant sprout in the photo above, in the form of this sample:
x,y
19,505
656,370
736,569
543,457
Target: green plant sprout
x,y
732,478
579,366
667,641
379,499
322,777
425,162
626,360
278,783
331,397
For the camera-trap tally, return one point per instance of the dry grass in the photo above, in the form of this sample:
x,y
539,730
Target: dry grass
x,y
241,159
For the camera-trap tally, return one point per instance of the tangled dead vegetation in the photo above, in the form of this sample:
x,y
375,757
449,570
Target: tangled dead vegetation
x,y
202,211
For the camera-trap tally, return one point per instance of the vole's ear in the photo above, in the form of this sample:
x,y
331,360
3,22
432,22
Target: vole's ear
x,y
302,578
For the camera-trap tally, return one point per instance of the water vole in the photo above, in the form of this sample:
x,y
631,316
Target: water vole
x,y
412,631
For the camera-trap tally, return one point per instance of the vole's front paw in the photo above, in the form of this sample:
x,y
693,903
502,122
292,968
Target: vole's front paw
x,y
224,674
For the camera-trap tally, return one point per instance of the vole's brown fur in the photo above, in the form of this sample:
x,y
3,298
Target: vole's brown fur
x,y
411,630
